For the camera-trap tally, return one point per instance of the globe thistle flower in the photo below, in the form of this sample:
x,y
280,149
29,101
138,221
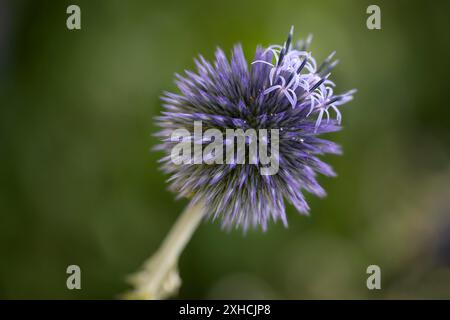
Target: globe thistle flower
x,y
282,89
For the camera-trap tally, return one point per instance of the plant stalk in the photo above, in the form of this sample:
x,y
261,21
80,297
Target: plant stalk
x,y
159,277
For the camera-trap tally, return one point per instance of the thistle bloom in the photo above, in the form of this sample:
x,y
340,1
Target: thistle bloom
x,y
283,89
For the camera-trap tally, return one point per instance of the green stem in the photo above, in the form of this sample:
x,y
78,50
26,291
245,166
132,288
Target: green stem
x,y
159,277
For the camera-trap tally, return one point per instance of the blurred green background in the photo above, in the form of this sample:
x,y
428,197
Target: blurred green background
x,y
80,186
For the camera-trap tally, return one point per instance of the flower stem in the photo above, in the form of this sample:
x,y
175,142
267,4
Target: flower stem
x,y
159,278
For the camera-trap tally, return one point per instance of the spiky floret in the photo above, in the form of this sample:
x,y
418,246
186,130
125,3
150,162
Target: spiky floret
x,y
282,89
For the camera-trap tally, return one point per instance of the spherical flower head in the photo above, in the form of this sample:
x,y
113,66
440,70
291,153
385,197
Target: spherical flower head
x,y
283,89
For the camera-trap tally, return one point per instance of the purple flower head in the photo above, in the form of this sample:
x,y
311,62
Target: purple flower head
x,y
284,89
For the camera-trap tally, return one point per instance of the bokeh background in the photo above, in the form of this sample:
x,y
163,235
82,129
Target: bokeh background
x,y
80,186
